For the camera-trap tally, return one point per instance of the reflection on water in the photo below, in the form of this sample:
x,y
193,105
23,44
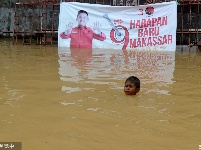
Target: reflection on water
x,y
66,99
89,67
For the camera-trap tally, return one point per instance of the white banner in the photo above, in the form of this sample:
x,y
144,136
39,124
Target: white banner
x,y
144,27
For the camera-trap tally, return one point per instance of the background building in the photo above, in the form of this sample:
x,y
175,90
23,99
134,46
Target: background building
x,y
37,20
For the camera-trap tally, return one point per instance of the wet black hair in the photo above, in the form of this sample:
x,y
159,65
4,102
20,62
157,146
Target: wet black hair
x,y
134,79
81,11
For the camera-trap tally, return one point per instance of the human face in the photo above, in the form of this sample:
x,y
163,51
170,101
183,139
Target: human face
x,y
82,19
130,88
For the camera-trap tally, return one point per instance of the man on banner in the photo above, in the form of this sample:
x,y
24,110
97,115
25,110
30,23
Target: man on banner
x,y
82,36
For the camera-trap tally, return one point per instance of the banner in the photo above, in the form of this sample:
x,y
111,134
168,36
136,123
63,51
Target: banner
x,y
144,27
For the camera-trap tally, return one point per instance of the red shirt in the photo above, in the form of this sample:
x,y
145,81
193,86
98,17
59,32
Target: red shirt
x,y
82,37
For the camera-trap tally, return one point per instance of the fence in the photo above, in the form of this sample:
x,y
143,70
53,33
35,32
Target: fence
x,y
38,19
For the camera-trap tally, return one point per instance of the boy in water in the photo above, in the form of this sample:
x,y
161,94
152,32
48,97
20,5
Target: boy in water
x,y
82,36
132,85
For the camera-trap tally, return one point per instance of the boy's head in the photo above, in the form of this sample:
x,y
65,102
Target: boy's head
x,y
132,85
82,18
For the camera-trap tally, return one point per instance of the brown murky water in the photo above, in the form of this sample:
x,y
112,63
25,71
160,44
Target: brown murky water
x,y
60,99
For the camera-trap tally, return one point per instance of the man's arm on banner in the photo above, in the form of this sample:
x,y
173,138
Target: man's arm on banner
x,y
66,33
64,36
100,36
97,32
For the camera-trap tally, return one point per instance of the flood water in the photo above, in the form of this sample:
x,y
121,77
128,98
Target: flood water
x,y
54,98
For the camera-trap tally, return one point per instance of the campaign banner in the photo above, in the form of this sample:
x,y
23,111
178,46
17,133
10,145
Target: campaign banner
x,y
144,27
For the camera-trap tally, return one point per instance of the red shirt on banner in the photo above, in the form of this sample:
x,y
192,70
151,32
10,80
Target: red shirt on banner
x,y
81,37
